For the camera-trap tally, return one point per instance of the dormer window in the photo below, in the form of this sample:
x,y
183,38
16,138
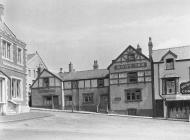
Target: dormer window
x,y
169,64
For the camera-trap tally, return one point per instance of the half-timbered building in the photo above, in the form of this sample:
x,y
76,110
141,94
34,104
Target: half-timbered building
x,y
46,91
130,83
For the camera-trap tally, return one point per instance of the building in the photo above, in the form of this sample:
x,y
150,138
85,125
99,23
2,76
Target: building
x,y
130,86
171,78
35,65
13,95
86,90
47,91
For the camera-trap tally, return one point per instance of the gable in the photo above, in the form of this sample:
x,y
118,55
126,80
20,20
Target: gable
x,y
127,54
169,54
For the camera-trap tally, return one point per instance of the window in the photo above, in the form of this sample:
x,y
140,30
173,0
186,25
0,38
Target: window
x,y
87,83
67,85
74,84
19,55
132,77
68,98
6,47
170,85
16,88
45,82
169,63
133,95
100,82
131,57
81,84
47,100
87,97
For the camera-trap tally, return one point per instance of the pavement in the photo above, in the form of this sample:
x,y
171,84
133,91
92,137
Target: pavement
x,y
23,116
71,126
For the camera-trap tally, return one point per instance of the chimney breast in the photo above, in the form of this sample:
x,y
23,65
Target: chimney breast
x,y
95,66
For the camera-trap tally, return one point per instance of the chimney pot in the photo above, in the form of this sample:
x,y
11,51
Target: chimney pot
x,y
95,66
139,49
61,70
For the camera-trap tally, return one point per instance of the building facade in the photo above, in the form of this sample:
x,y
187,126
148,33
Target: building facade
x,y
86,90
46,91
35,65
172,76
130,86
13,96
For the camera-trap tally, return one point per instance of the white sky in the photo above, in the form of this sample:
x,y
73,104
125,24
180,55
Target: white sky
x,y
81,31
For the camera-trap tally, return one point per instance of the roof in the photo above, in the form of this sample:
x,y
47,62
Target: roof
x,y
4,29
182,52
88,74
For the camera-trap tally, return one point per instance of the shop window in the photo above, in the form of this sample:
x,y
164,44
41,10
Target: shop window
x,y
132,77
47,100
100,82
16,88
131,57
87,98
169,64
170,85
133,95
45,82
74,84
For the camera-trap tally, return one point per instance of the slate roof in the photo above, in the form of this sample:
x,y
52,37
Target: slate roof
x,y
182,52
88,74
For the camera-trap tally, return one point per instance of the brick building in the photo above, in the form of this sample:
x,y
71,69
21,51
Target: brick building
x,y
13,97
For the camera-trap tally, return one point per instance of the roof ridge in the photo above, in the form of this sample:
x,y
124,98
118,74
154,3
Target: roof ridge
x,y
173,47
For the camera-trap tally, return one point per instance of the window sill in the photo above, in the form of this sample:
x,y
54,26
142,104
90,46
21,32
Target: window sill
x,y
133,101
17,99
90,103
7,59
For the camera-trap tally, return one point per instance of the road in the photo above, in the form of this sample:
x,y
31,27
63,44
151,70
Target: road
x,y
71,126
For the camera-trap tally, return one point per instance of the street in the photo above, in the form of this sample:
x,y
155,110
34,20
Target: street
x,y
68,126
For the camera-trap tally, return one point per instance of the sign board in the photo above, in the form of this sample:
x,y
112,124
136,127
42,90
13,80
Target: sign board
x,y
131,66
185,88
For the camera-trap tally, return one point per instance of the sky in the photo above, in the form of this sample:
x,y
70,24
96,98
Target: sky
x,y
81,31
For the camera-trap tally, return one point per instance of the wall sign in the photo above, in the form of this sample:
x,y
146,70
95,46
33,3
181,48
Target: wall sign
x,y
185,88
130,66
47,90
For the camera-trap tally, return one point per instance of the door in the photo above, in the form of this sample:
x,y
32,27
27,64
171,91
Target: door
x,y
103,106
56,102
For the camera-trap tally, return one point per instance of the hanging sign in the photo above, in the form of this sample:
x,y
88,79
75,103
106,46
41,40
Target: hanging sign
x,y
185,88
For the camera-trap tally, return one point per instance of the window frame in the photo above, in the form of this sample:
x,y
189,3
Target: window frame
x,y
130,77
133,95
21,89
44,82
165,88
90,97
20,60
5,50
168,65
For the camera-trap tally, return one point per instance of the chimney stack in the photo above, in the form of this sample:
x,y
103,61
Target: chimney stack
x,y
1,13
95,66
61,70
150,46
71,67
139,49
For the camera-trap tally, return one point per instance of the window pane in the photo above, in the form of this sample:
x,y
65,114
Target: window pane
x,y
94,83
122,81
122,75
67,85
87,83
81,84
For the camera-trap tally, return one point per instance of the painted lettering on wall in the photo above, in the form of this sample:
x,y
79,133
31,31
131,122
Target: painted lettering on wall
x,y
130,66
